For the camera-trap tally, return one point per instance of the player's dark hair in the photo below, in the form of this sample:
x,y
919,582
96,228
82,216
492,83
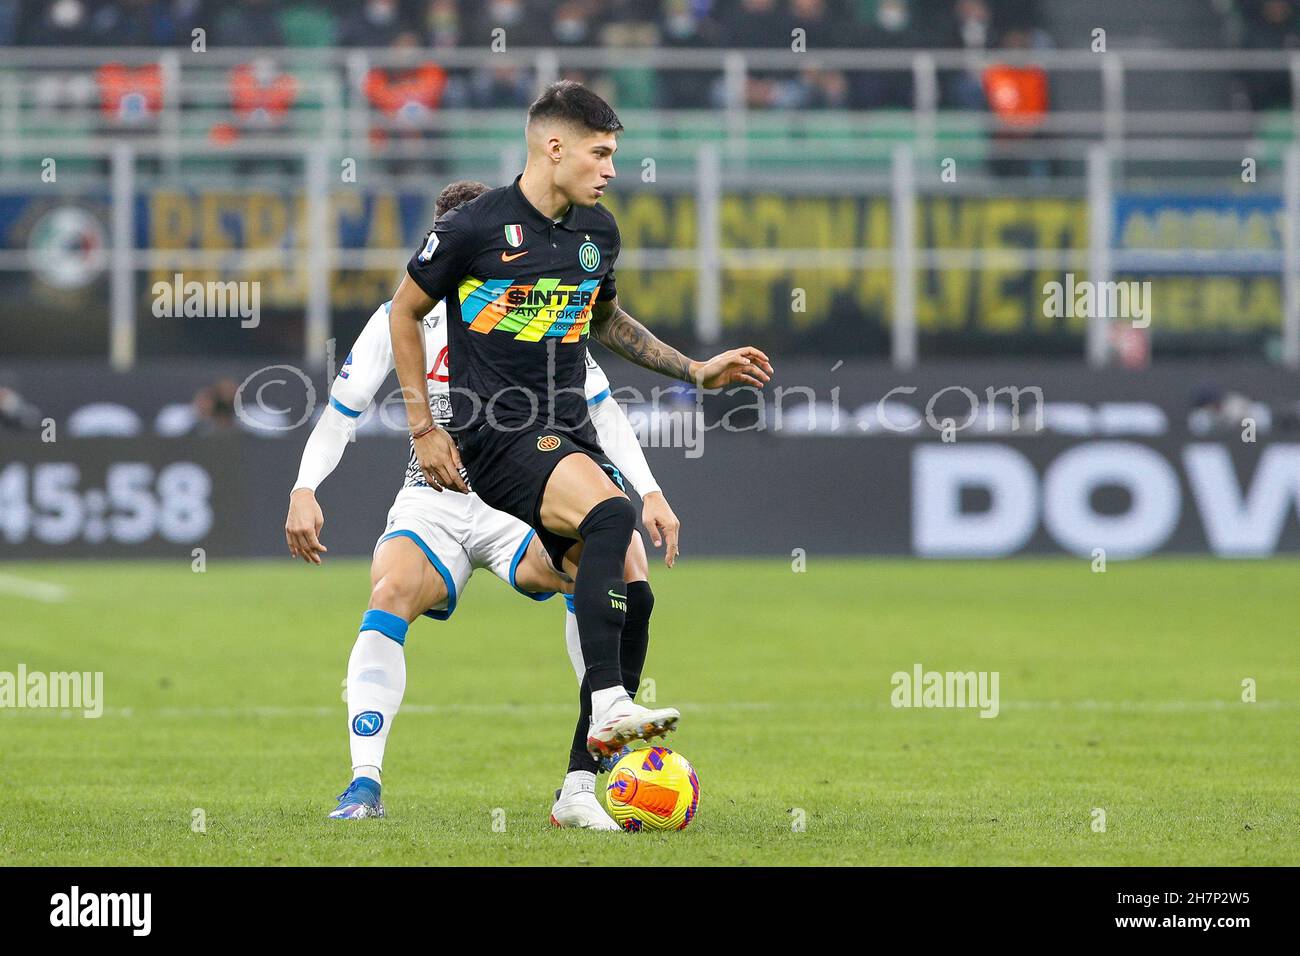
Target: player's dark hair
x,y
571,102
457,194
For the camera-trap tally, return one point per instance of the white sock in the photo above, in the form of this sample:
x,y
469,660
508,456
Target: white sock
x,y
376,682
574,644
578,781
603,700
366,771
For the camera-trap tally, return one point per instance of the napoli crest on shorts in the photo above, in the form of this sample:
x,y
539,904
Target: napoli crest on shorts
x,y
367,723
514,235
548,443
588,256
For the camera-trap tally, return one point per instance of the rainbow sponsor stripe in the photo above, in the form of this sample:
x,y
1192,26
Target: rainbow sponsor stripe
x,y
530,311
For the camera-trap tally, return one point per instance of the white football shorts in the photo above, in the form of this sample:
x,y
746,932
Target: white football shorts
x,y
459,534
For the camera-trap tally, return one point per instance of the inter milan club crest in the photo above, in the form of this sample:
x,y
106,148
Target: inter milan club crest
x,y
548,443
589,256
514,235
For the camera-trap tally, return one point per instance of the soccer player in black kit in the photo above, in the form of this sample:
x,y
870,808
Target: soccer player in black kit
x,y
528,274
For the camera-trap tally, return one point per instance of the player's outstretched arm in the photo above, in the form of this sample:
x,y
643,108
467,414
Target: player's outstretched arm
x,y
613,328
368,363
325,445
434,448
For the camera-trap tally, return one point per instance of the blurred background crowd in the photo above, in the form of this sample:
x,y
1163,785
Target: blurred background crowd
x,y
976,25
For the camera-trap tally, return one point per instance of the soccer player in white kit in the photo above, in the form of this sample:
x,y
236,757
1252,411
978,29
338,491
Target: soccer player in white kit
x,y
432,543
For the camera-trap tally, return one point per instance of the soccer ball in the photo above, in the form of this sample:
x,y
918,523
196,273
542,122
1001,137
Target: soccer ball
x,y
653,789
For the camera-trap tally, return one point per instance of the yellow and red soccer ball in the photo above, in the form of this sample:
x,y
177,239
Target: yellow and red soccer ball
x,y
653,789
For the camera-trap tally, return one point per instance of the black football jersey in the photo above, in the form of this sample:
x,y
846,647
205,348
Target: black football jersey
x,y
519,289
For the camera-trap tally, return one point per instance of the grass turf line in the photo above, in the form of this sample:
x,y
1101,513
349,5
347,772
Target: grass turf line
x,y
1119,691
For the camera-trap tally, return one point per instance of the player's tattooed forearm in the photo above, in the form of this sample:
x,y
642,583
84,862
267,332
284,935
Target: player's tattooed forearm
x,y
623,334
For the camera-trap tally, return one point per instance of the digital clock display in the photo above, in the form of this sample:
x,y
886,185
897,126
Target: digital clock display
x,y
45,502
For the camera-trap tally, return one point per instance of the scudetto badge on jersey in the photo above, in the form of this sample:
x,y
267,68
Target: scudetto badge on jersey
x,y
589,256
515,235
429,245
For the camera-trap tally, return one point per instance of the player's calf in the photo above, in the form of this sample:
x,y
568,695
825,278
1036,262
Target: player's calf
x,y
403,586
599,595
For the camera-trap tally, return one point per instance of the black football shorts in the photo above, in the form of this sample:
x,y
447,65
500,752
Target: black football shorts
x,y
509,471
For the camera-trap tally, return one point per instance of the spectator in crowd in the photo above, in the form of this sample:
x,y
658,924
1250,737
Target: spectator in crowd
x,y
443,26
687,25
501,87
145,22
973,22
1270,25
62,23
523,26
756,24
249,23
16,412
10,20
570,24
892,28
823,29
376,24
214,408
814,88
1018,96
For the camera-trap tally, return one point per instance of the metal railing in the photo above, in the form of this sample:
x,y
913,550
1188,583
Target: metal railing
x,y
1094,141
331,80
709,258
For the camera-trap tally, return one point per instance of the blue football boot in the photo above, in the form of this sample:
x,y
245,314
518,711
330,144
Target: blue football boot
x,y
359,801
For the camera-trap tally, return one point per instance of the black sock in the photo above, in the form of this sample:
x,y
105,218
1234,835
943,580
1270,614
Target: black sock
x,y
633,644
579,758
599,595
636,634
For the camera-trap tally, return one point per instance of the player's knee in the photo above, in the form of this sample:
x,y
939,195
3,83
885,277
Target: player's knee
x,y
640,601
613,516
635,565
397,595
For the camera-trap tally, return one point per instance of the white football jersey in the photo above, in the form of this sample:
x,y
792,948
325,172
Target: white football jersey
x,y
369,363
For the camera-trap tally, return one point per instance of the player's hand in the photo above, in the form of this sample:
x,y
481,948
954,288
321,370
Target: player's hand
x,y
662,524
747,366
302,527
439,459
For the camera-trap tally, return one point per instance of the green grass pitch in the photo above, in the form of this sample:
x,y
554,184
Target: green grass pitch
x,y
1120,691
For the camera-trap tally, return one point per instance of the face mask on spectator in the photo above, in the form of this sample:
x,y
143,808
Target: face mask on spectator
x,y
67,14
680,25
891,16
570,30
505,11
380,11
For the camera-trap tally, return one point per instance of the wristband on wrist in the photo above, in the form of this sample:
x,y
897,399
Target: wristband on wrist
x,y
424,431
